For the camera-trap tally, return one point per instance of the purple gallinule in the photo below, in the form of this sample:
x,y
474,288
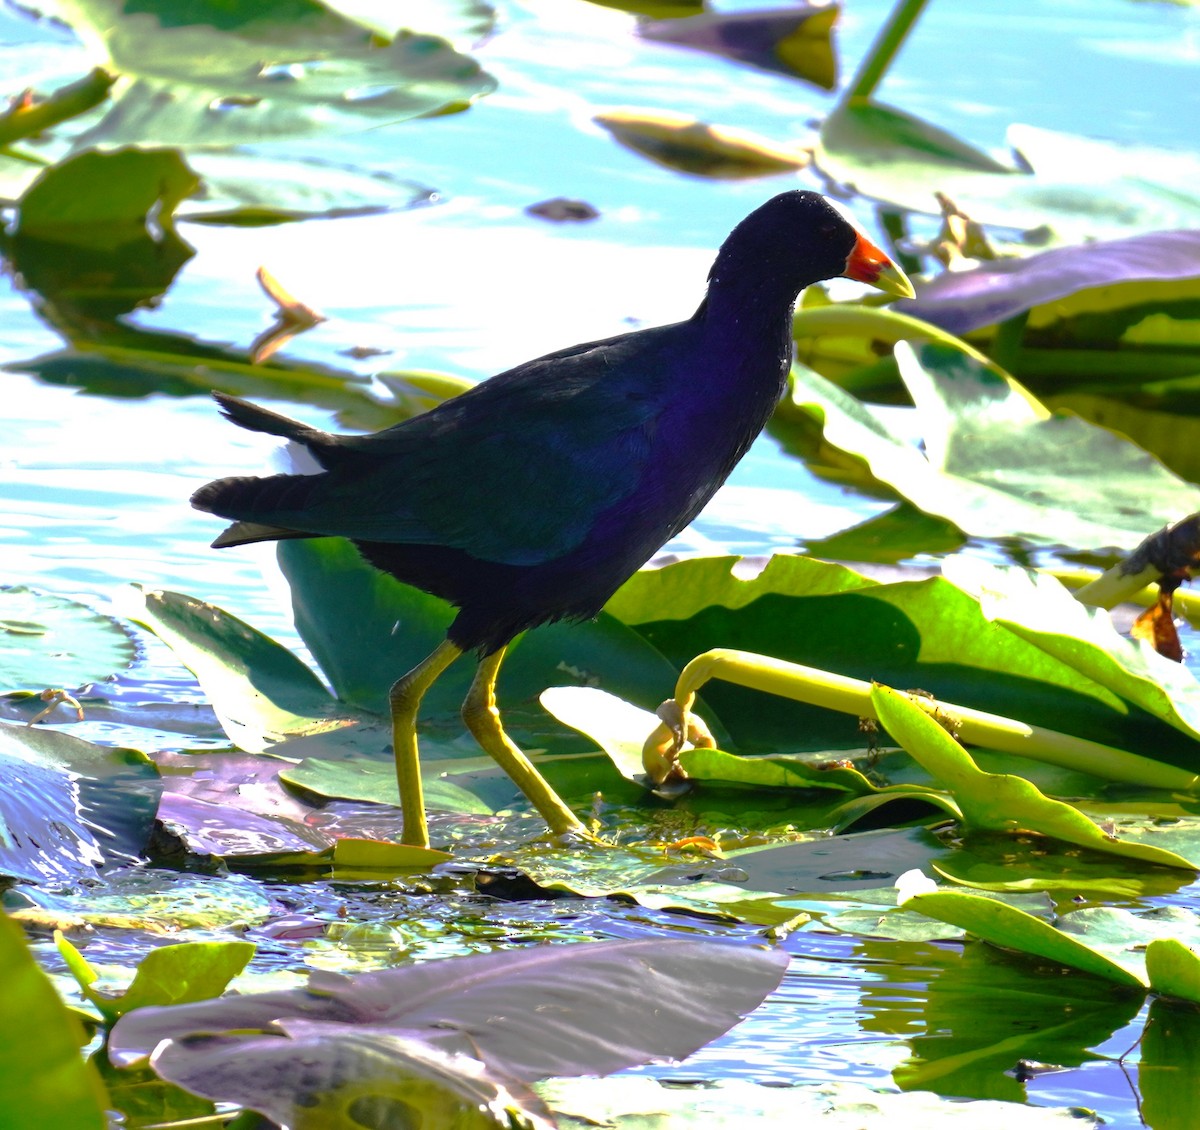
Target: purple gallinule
x,y
533,496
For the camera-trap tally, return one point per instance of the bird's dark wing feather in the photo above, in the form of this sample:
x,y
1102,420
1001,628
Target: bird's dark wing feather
x,y
515,470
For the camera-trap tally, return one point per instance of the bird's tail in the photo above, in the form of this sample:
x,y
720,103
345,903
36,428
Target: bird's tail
x,y
256,419
259,506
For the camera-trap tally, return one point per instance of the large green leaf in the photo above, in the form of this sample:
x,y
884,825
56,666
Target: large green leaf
x,y
365,629
50,641
996,463
210,73
43,1076
1075,187
929,634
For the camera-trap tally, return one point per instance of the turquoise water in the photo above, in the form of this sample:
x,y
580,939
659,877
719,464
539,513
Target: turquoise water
x,y
93,489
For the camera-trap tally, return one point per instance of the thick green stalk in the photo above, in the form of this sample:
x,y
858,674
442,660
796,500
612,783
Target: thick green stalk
x,y
887,45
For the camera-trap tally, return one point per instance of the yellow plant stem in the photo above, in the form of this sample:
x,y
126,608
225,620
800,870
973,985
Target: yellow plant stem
x,y
853,696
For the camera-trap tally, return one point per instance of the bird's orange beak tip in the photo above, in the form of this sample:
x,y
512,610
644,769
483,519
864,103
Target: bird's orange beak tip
x,y
867,264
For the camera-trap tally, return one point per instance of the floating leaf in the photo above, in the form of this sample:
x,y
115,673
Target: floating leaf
x,y
101,199
68,806
1007,926
688,145
167,975
1173,969
261,691
1000,802
492,1006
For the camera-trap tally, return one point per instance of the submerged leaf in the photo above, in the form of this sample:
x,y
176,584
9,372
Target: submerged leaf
x,y
50,641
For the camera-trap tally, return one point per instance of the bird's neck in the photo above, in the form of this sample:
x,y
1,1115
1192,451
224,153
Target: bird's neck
x,y
750,321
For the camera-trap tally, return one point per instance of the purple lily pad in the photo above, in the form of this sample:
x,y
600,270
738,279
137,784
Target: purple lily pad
x,y
795,42
961,301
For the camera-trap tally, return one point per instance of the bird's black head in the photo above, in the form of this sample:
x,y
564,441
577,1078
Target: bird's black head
x,y
798,238
793,236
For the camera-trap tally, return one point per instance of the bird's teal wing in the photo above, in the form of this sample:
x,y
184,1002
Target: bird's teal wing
x,y
516,470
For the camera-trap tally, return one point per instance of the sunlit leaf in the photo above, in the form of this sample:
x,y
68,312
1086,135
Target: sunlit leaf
x,y
684,143
261,691
1173,969
1006,926
1000,802
927,634
178,974
51,641
461,21
44,1078
883,152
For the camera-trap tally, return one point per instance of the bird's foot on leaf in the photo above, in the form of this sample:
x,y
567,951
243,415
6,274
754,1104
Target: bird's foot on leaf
x,y
679,727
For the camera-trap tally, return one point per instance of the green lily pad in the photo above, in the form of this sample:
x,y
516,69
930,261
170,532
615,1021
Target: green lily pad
x,y
928,634
50,641
1173,969
101,200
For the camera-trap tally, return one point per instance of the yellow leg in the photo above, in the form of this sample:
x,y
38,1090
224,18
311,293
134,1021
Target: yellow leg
x,y
482,717
405,700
